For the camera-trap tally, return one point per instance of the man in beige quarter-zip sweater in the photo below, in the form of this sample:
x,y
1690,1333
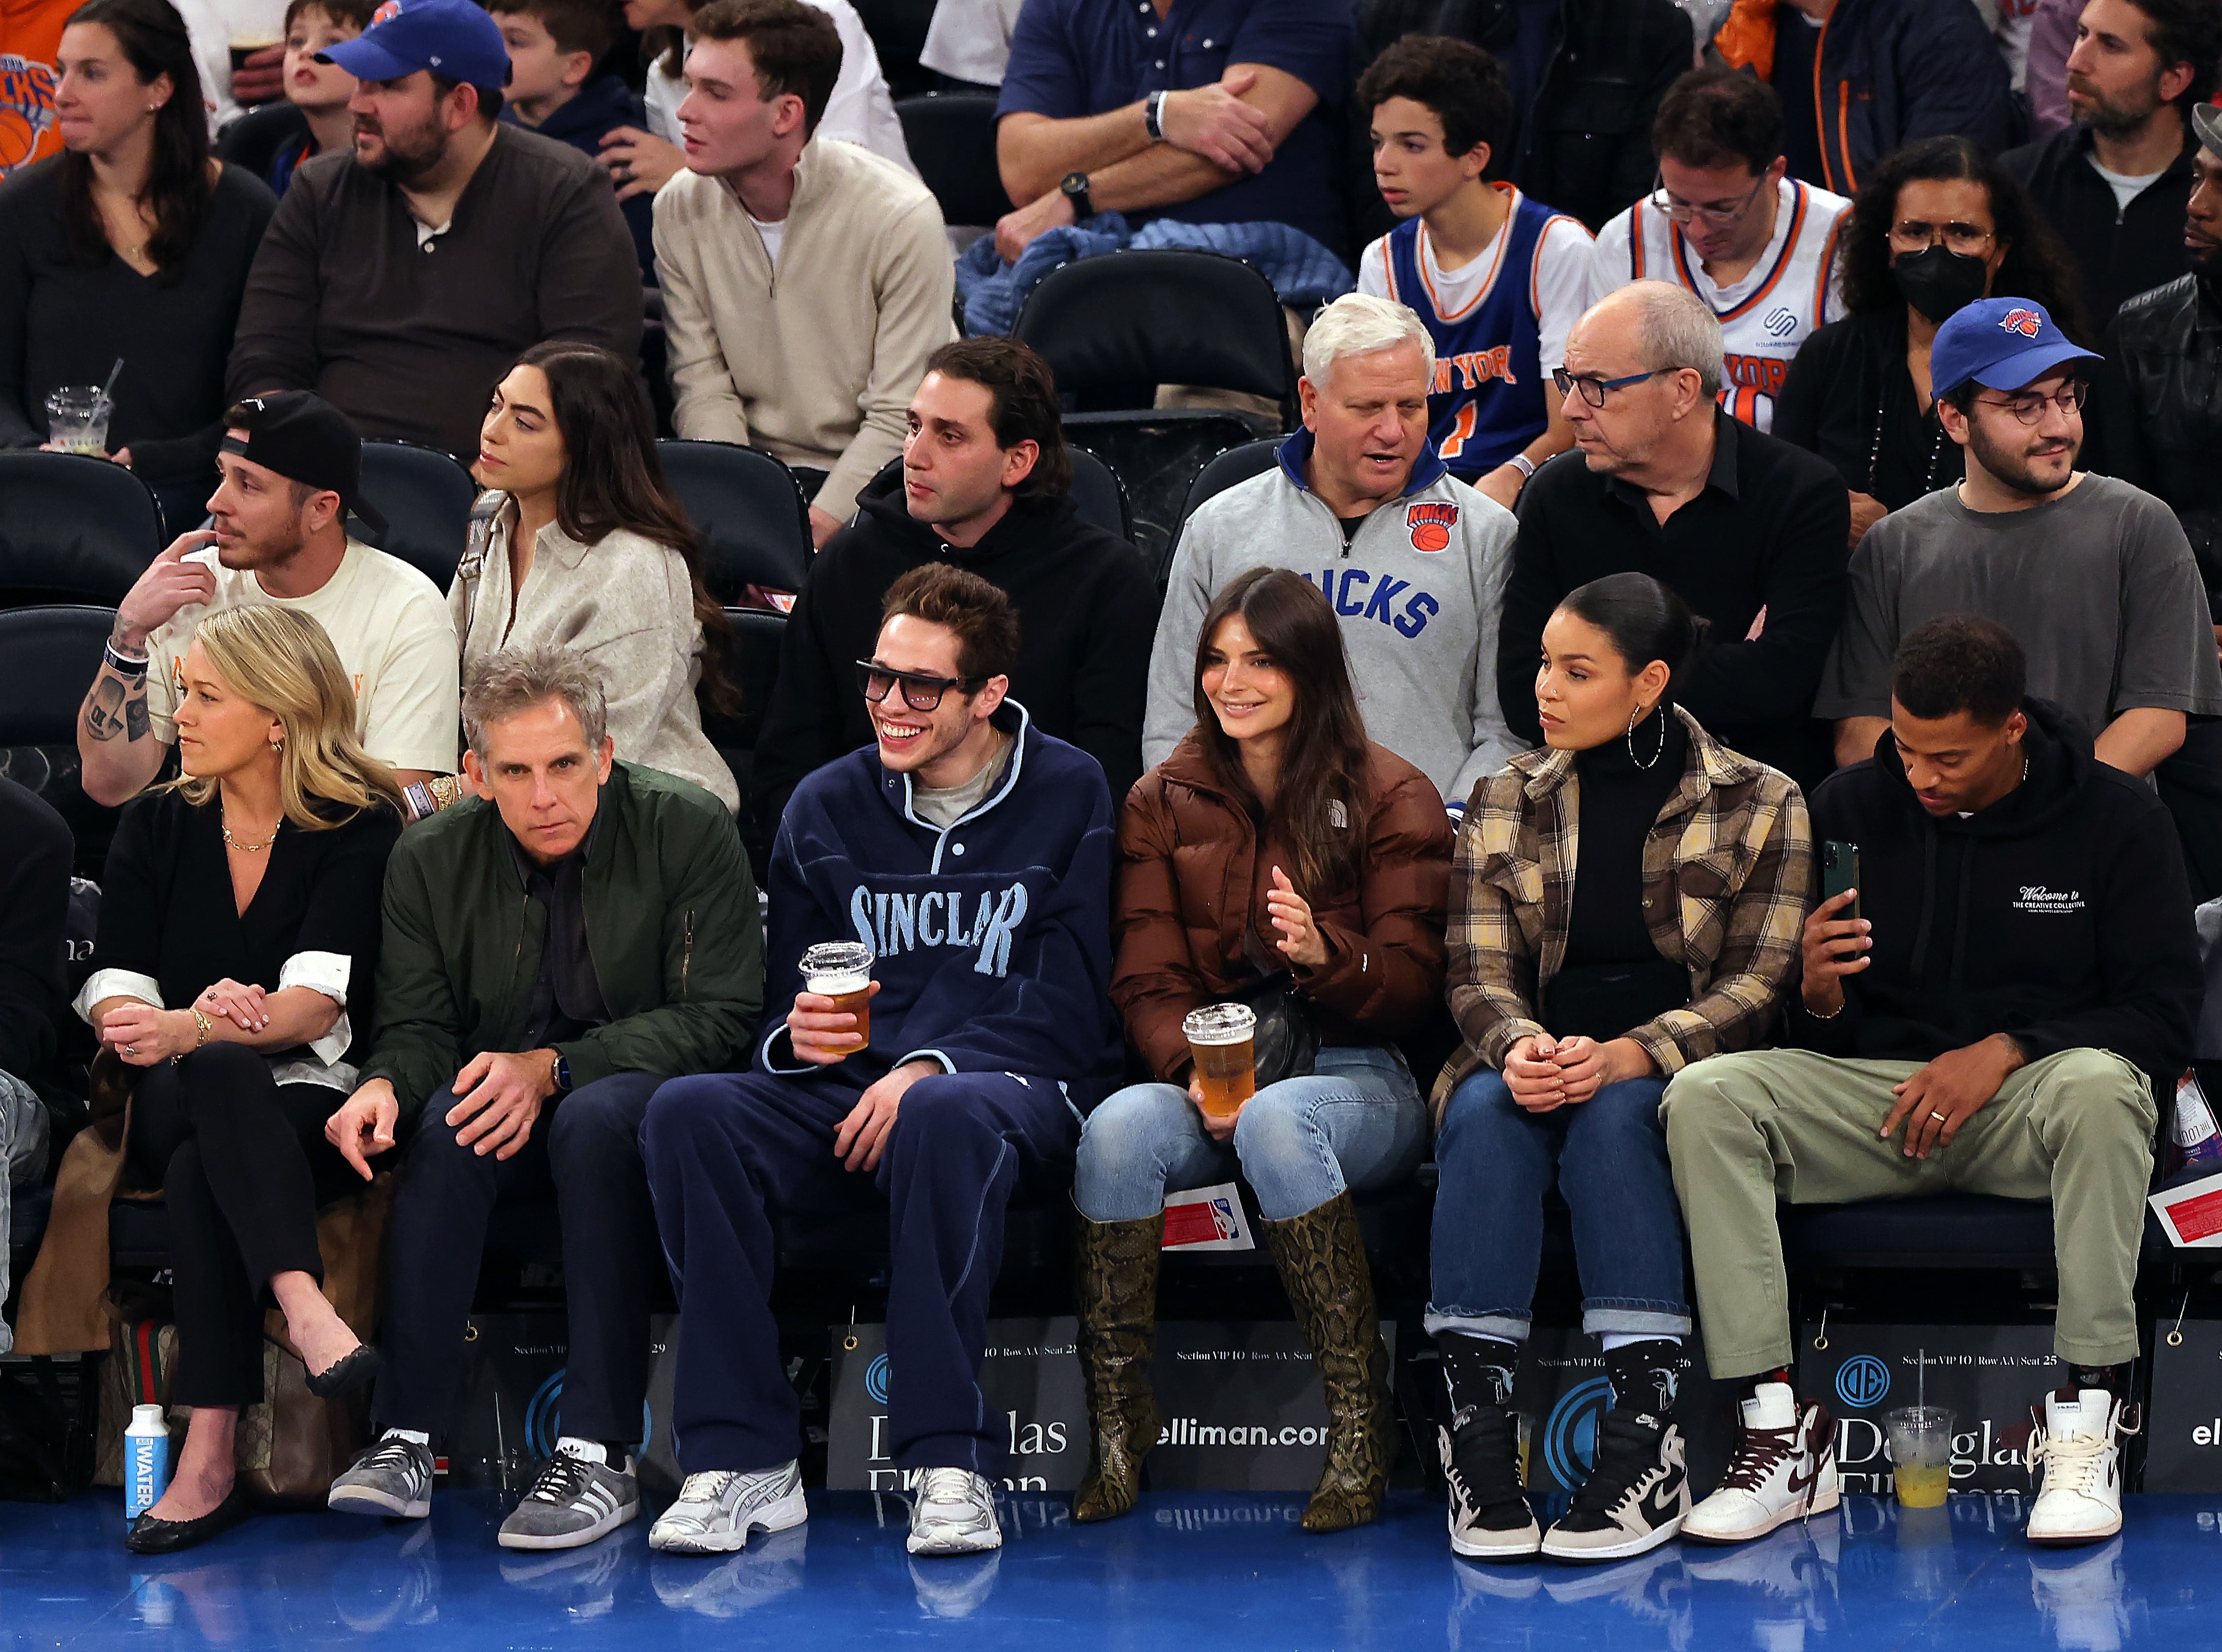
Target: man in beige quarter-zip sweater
x,y
804,283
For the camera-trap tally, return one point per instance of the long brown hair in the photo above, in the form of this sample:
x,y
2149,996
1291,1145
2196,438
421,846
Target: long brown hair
x,y
613,479
1324,758
154,41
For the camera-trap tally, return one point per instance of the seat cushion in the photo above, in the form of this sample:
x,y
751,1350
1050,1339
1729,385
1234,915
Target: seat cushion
x,y
1941,1230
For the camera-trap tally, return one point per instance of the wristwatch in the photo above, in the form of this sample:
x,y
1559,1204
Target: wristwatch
x,y
560,1073
1075,190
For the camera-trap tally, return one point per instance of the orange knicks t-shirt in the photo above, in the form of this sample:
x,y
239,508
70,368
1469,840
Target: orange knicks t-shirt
x,y
30,33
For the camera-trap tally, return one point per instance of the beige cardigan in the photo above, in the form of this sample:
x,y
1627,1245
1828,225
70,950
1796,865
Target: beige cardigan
x,y
626,603
818,361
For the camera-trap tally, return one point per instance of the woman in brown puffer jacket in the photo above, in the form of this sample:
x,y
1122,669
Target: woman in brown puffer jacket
x,y
1276,842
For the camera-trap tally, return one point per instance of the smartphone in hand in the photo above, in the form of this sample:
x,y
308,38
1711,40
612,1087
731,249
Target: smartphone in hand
x,y
1840,870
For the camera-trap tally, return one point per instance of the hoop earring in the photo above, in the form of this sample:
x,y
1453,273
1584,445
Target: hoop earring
x,y
1660,752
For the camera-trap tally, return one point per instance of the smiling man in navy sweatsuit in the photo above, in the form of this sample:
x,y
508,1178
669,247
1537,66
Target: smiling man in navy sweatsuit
x,y
973,854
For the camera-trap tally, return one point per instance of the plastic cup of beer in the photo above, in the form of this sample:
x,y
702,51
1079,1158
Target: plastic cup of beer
x,y
842,971
1220,1037
245,42
77,419
1921,1448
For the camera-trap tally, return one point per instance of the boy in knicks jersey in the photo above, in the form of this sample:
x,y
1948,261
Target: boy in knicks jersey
x,y
1758,246
1497,278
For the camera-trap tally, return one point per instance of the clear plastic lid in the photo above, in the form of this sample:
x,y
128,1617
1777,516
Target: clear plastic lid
x,y
1221,1024
835,967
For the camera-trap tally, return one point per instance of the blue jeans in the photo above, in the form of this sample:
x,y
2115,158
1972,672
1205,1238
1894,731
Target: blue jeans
x,y
1609,1157
1358,1123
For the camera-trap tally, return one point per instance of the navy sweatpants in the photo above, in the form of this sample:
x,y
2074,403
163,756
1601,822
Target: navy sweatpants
x,y
589,1147
725,1150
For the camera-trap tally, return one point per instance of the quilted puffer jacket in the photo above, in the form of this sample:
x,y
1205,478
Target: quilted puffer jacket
x,y
1191,926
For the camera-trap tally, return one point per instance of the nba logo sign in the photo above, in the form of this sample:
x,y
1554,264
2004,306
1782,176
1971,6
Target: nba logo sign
x,y
1429,522
2027,323
1222,1218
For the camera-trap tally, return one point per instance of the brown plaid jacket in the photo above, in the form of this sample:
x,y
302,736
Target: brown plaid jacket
x,y
1728,875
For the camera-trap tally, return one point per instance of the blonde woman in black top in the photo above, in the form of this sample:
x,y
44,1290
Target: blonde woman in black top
x,y
239,932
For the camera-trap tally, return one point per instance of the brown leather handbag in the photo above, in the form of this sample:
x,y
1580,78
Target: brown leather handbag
x,y
64,1305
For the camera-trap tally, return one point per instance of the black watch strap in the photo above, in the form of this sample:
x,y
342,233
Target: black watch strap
x,y
1075,190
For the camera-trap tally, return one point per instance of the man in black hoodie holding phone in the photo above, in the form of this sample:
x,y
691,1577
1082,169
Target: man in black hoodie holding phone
x,y
1986,1009
985,483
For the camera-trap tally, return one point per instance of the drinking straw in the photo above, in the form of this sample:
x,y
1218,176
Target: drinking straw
x,y
107,391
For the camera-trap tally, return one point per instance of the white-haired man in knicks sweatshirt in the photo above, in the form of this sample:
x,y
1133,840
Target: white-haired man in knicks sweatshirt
x,y
1413,559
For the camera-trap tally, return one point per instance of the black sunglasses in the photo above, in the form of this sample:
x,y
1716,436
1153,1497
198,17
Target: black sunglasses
x,y
920,693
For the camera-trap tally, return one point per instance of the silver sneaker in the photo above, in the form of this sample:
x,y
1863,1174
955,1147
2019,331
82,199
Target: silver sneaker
x,y
393,1479
717,1510
953,1512
576,1499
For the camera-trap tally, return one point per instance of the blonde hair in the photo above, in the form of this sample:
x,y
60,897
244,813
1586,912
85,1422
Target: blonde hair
x,y
1359,323
282,662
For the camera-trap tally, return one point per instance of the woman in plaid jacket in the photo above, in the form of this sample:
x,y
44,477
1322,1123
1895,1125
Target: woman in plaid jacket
x,y
1577,1000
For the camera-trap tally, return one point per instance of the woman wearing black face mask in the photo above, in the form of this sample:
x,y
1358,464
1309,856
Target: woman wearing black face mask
x,y
1936,227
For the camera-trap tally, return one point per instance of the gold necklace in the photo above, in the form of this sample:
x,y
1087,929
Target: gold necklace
x,y
231,842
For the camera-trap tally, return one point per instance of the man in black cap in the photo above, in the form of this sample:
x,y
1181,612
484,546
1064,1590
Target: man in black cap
x,y
291,465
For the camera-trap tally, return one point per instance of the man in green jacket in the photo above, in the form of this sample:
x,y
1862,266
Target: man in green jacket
x,y
560,945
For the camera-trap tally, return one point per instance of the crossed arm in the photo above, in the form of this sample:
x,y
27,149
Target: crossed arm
x,y
1213,135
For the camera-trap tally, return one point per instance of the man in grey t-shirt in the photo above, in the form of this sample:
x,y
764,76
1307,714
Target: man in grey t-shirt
x,y
2093,577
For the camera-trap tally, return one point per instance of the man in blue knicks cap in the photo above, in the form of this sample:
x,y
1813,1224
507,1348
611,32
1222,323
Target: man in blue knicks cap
x,y
2092,577
399,281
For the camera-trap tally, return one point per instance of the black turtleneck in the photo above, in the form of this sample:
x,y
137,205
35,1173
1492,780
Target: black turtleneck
x,y
1618,803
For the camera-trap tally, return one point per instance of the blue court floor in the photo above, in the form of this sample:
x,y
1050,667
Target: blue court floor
x,y
1189,1572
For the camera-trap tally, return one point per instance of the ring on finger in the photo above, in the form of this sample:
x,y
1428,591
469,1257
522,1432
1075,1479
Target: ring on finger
x,y
1939,1117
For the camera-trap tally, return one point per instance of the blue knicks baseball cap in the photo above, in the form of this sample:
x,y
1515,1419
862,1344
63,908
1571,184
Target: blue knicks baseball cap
x,y
453,38
2001,343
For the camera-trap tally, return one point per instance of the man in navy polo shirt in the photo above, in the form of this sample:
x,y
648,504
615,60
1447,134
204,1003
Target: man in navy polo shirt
x,y
1211,111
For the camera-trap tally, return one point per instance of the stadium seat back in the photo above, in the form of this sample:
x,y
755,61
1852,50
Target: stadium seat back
x,y
48,658
73,528
425,498
952,139
1162,316
754,526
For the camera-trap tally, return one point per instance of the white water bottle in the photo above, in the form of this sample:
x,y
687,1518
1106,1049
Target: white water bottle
x,y
146,1461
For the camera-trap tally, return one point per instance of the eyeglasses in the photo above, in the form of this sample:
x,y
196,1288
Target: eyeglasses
x,y
1911,236
1713,212
920,693
2029,407
1593,388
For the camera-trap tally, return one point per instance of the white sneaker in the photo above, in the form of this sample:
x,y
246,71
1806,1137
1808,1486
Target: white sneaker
x,y
2081,1498
953,1512
717,1510
1784,1468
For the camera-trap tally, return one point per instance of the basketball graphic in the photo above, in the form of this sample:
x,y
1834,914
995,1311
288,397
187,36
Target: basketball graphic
x,y
27,109
1429,524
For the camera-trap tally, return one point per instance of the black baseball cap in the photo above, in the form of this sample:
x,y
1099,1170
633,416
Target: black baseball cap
x,y
304,439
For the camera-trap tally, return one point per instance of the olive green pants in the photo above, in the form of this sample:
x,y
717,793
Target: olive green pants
x,y
1746,1130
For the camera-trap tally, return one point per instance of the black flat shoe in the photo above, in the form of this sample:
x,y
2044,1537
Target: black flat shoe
x,y
345,1376
148,1536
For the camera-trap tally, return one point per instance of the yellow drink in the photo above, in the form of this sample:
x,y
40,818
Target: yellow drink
x,y
1921,1487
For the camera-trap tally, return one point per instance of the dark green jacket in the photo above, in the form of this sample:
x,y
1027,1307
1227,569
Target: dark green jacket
x,y
672,927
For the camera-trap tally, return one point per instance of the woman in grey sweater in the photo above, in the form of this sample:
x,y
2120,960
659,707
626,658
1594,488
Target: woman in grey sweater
x,y
591,551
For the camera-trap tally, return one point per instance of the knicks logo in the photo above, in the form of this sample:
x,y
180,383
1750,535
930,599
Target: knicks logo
x,y
385,13
2027,323
1429,522
27,109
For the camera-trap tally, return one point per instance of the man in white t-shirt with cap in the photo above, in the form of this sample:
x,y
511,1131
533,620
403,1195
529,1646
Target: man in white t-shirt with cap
x,y
291,467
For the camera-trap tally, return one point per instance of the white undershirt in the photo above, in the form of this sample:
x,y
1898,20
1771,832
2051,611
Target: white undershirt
x,y
773,234
2127,186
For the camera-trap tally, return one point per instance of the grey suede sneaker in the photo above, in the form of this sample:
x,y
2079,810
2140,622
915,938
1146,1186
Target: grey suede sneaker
x,y
393,1479
578,1497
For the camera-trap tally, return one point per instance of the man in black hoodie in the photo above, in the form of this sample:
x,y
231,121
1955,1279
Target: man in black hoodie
x,y
2019,967
984,483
